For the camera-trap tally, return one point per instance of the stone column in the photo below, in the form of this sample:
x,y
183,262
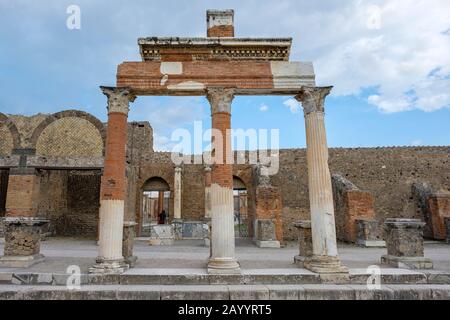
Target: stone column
x,y
222,220
404,241
177,194
325,257
177,221
207,217
113,184
207,192
22,226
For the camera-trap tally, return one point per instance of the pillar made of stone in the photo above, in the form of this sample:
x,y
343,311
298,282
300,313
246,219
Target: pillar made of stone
x,y
113,184
207,217
325,257
177,221
404,241
304,242
222,218
22,226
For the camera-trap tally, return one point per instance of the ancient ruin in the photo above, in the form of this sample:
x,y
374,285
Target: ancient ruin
x,y
70,175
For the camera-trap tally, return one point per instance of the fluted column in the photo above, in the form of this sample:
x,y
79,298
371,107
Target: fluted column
x,y
207,192
222,220
177,194
113,184
325,256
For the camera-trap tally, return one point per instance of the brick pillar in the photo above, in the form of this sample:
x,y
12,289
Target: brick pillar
x,y
22,226
222,218
325,257
113,186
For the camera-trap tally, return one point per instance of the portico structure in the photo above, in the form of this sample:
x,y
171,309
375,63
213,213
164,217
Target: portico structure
x,y
219,67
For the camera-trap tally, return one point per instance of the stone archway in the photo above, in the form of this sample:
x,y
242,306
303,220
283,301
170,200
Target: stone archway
x,y
74,121
12,140
155,199
240,208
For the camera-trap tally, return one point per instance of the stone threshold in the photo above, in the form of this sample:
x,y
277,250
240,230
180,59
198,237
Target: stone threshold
x,y
227,292
247,277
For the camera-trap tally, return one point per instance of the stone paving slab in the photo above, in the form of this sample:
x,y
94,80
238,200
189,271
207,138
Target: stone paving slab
x,y
232,292
200,277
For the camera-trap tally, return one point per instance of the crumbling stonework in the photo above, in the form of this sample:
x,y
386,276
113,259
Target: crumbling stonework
x,y
22,238
369,233
304,241
433,206
404,241
350,204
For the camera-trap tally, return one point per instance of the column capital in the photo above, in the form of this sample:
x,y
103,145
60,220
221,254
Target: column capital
x,y
313,98
118,99
220,99
178,169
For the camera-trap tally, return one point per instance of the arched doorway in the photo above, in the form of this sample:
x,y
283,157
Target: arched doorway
x,y
241,219
155,200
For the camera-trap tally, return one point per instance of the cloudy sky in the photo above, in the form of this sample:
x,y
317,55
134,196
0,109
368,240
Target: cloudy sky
x,y
388,60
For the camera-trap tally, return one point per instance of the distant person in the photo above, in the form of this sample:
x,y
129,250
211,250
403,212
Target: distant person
x,y
163,217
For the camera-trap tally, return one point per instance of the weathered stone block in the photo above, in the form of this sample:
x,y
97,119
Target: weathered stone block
x,y
304,241
404,238
162,235
369,233
22,242
128,243
265,230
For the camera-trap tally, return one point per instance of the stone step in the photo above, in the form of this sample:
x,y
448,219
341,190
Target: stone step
x,y
248,277
226,292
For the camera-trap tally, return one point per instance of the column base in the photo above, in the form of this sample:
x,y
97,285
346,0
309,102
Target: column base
x,y
109,267
223,266
20,261
407,262
131,261
324,265
300,261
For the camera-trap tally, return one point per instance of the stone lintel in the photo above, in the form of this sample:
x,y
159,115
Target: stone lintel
x,y
404,223
29,221
191,78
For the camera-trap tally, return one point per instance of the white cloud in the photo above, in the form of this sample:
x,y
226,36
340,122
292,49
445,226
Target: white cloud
x,y
397,57
392,46
293,105
264,107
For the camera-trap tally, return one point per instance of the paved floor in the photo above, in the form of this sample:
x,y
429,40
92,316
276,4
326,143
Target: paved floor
x,y
63,252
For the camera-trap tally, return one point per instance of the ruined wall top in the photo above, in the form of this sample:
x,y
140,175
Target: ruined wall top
x,y
220,23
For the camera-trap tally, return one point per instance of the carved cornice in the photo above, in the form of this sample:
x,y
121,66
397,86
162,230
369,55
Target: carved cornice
x,y
118,99
313,98
220,99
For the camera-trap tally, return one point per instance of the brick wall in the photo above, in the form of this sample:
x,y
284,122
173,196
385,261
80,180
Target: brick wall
x,y
350,204
70,200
